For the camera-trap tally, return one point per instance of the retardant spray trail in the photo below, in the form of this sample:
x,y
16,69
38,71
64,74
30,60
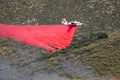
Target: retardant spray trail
x,y
48,37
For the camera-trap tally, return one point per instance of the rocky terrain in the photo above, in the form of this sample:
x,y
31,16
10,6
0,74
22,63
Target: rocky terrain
x,y
93,54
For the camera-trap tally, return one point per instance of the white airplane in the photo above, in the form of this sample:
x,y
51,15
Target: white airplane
x,y
65,22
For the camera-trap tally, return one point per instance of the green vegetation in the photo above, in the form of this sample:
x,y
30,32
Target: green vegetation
x,y
102,55
97,41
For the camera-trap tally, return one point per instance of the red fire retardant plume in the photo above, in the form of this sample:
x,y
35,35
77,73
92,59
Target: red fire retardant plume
x,y
48,37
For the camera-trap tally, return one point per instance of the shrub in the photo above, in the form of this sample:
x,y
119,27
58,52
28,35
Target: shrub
x,y
100,35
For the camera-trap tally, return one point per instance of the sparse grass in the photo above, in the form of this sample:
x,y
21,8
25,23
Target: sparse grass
x,y
103,55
